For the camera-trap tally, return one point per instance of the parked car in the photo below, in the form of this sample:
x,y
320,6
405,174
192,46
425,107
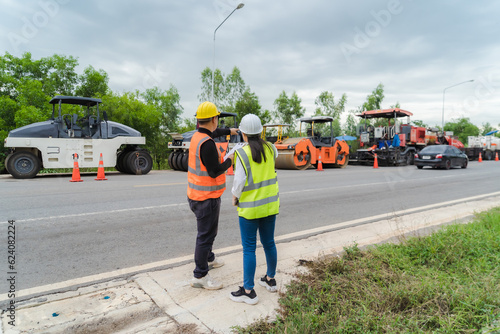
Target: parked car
x,y
441,156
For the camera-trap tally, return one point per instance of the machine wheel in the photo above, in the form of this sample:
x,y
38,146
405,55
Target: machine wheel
x,y
178,161
139,162
342,163
124,164
6,163
448,164
23,165
120,166
464,165
170,156
488,155
410,158
174,161
420,167
185,161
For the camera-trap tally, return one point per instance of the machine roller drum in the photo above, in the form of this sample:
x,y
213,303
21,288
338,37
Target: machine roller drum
x,y
342,154
297,158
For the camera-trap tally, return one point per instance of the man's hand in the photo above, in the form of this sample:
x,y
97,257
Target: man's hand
x,y
231,156
235,201
234,131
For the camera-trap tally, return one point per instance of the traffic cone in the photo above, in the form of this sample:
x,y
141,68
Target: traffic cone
x,y
100,170
320,164
375,162
480,158
76,170
496,157
230,170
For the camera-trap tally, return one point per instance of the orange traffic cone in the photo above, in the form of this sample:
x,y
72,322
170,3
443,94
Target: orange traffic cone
x,y
100,170
230,170
480,158
76,170
375,162
496,157
320,164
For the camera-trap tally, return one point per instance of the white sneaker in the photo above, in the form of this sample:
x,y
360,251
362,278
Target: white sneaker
x,y
206,282
241,296
216,263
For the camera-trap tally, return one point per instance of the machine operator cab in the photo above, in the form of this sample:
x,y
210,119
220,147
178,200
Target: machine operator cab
x,y
316,127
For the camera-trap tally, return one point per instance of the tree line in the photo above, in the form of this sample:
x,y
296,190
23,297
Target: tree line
x,y
27,85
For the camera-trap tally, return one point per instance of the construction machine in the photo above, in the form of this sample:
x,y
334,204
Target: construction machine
x,y
488,146
395,143
88,134
306,151
278,139
178,158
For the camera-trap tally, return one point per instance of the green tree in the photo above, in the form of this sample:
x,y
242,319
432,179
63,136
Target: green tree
x,y
374,100
487,128
326,106
56,73
62,77
249,104
287,110
419,123
93,83
350,127
228,89
167,103
188,124
462,128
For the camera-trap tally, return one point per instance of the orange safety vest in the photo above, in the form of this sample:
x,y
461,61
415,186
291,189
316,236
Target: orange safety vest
x,y
200,185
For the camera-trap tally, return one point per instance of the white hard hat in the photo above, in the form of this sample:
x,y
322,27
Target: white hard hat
x,y
250,124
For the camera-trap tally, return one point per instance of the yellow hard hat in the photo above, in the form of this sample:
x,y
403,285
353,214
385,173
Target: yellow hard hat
x,y
206,110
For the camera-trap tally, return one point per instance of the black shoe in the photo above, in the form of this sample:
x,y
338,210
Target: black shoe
x,y
270,284
241,296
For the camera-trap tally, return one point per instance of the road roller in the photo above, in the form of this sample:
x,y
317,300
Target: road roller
x,y
178,158
306,151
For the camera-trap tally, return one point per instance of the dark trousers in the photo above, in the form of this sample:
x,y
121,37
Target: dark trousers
x,y
207,218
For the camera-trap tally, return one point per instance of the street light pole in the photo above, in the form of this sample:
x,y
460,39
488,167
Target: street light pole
x,y
213,68
444,90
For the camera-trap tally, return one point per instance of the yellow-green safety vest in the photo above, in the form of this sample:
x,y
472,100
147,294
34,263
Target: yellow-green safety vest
x,y
260,196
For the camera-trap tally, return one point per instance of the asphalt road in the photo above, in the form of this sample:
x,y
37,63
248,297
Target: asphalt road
x,y
67,230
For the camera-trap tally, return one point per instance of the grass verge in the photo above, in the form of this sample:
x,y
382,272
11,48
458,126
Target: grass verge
x,y
448,282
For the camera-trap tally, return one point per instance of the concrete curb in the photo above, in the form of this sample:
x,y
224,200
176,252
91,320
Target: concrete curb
x,y
162,301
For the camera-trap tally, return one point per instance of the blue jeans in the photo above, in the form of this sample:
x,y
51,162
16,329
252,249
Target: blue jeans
x,y
248,230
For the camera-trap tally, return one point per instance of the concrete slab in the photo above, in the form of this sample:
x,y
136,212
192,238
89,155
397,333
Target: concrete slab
x,y
104,311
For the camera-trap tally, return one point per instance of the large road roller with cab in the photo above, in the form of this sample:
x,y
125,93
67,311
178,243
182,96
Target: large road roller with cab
x,y
318,144
75,127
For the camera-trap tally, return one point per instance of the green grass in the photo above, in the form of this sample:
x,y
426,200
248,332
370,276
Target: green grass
x,y
448,282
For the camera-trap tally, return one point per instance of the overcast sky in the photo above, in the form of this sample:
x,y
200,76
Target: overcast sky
x,y
416,49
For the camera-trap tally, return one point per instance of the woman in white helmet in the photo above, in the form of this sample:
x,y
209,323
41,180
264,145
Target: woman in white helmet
x,y
255,193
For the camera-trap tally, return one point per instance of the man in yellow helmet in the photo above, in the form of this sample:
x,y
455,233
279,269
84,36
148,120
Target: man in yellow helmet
x,y
206,184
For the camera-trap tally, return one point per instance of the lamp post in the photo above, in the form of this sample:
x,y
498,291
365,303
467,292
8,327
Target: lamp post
x,y
444,90
213,69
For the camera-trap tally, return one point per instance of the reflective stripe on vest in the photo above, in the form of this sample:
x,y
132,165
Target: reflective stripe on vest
x,y
260,196
200,185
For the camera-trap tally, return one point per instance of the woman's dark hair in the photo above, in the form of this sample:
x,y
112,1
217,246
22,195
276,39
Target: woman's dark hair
x,y
256,144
